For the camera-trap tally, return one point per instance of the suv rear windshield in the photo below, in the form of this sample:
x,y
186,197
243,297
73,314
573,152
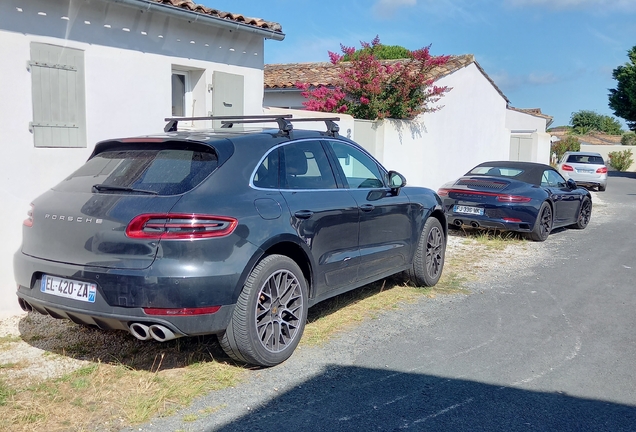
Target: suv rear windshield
x,y
584,159
160,171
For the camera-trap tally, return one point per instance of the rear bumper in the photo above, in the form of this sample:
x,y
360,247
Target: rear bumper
x,y
484,222
122,294
121,318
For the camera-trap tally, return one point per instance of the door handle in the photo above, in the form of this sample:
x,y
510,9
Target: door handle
x,y
303,214
367,207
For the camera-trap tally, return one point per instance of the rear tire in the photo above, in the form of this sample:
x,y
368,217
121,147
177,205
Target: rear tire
x,y
428,262
543,224
585,214
270,314
602,188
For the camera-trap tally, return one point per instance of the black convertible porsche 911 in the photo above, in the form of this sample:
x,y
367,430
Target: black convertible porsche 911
x,y
516,196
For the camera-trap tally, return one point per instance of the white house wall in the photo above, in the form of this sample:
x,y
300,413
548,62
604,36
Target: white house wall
x,y
128,56
441,146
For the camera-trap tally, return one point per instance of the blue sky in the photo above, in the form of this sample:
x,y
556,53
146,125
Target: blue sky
x,y
557,55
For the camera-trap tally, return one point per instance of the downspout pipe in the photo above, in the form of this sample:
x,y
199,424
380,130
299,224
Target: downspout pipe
x,y
151,6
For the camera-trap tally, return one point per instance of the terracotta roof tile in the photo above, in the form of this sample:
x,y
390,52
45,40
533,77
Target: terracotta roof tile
x,y
282,76
198,8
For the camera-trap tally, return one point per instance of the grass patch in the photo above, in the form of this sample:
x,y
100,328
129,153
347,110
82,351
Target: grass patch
x,y
127,382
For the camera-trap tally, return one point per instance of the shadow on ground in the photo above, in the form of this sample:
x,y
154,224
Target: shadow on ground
x,y
624,174
361,399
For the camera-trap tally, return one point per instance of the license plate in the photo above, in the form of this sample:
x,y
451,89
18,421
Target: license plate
x,y
586,171
468,210
68,288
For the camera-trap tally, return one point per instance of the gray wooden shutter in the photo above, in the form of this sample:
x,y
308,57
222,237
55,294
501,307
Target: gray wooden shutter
x,y
227,95
59,108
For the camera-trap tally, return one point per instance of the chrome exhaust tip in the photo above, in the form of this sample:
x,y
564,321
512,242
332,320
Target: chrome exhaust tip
x,y
161,333
140,331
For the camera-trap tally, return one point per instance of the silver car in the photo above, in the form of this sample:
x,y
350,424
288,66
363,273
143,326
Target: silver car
x,y
585,168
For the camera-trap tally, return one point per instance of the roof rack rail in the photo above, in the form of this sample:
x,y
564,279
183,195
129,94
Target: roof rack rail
x,y
174,121
285,123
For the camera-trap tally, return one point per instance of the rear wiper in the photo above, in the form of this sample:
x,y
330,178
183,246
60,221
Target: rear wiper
x,y
103,188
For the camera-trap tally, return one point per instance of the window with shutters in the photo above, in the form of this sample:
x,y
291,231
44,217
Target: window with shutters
x,y
57,87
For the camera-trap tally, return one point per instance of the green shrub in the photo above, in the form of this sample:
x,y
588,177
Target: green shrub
x,y
568,143
628,138
621,160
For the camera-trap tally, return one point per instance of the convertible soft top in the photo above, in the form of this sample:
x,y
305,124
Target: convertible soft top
x,y
528,172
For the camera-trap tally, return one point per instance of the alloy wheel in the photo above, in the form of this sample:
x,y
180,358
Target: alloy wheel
x,y
546,221
279,311
434,250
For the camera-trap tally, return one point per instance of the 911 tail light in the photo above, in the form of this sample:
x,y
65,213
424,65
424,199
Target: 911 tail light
x,y
566,167
174,226
499,197
28,222
601,170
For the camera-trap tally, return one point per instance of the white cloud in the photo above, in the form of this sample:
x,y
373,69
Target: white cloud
x,y
509,83
388,8
576,4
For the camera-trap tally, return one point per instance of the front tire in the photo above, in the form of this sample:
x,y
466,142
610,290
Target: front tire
x,y
543,224
428,262
585,214
270,314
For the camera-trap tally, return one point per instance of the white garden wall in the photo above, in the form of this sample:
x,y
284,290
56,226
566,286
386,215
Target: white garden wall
x,y
604,151
128,59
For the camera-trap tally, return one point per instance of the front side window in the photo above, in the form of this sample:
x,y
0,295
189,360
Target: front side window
x,y
552,178
359,169
305,166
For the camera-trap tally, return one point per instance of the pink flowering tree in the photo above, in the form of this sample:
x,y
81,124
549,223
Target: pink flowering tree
x,y
375,89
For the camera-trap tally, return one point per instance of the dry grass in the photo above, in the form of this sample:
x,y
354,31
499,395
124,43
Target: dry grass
x,y
124,381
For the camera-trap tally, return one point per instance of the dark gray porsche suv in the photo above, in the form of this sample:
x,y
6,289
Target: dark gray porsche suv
x,y
226,232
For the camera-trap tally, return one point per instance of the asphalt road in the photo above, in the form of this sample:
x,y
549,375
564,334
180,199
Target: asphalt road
x,y
549,346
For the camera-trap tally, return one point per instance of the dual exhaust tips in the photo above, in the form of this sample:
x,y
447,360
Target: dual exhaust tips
x,y
155,331
458,222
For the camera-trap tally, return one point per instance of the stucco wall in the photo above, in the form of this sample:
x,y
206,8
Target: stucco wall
x,y
127,86
441,146
530,130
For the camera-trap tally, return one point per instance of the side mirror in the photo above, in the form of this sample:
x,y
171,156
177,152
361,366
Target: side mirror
x,y
571,184
396,181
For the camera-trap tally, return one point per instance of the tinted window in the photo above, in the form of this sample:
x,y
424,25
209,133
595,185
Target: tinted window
x,y
359,169
498,171
305,166
552,178
165,171
267,173
595,160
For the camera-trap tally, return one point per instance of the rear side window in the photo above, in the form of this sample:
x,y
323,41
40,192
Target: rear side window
x,y
584,159
497,171
163,171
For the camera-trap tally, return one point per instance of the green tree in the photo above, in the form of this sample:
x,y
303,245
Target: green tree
x,y
568,143
586,121
622,99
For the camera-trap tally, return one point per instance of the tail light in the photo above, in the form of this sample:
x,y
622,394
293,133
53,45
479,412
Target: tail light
x,y
513,198
28,222
513,220
601,170
566,167
500,197
180,226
